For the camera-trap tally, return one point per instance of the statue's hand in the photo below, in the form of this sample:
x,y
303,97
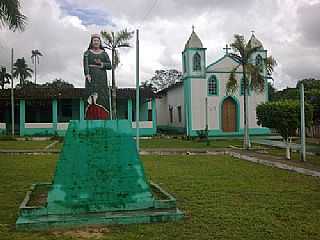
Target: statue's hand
x,y
88,77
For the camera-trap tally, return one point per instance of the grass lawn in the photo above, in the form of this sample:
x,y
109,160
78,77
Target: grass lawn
x,y
182,143
24,144
223,198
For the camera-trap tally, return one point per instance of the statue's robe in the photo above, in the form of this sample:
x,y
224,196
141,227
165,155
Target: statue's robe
x,y
98,83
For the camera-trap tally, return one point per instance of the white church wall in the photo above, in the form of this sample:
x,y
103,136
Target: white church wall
x,y
198,95
162,111
175,100
225,64
214,102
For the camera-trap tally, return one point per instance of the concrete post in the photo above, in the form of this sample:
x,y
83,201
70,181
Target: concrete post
x,y
22,116
303,127
54,114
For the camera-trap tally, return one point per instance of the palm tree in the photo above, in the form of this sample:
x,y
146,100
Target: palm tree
x,y
35,56
252,75
21,70
11,16
113,42
4,77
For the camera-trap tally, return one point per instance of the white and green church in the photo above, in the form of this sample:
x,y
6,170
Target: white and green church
x,y
200,100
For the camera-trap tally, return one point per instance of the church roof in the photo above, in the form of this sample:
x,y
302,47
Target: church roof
x,y
254,42
193,41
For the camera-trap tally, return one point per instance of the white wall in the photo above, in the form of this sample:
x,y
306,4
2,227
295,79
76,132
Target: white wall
x,y
198,95
174,98
162,111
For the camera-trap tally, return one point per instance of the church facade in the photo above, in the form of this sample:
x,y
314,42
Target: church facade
x,y
201,101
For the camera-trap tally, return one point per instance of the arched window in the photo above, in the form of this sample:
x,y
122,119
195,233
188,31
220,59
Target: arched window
x,y
213,87
259,62
184,63
196,62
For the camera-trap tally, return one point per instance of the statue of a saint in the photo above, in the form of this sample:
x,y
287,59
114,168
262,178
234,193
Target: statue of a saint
x,y
96,62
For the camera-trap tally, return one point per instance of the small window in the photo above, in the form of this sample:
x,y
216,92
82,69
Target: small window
x,y
171,114
196,62
259,63
184,64
150,115
133,116
179,114
213,86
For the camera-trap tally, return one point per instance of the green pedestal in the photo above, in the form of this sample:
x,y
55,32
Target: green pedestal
x,y
99,178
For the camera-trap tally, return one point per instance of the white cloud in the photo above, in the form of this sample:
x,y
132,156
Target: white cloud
x,y
285,27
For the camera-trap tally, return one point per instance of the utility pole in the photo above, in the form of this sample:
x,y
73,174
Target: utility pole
x,y
302,126
12,96
137,90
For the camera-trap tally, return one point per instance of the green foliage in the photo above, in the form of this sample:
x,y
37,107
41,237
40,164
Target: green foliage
x,y
21,70
5,77
309,84
283,116
203,134
57,83
11,16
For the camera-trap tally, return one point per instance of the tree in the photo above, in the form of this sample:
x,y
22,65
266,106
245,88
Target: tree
x,y
35,56
21,70
58,83
114,41
4,77
309,84
164,78
11,16
284,117
252,76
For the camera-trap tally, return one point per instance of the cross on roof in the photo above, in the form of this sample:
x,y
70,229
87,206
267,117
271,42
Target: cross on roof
x,y
252,32
227,48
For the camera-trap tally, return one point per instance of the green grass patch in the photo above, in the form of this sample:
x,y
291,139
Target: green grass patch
x,y
21,145
183,143
223,198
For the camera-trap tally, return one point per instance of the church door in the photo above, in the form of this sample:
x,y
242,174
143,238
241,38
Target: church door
x,y
229,115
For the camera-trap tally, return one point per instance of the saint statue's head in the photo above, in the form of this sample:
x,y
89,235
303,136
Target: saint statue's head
x,y
95,42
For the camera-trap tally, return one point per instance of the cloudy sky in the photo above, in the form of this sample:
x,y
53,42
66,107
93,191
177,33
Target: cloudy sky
x,y
61,29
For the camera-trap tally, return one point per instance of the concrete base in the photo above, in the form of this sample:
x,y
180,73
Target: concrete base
x,y
50,222
35,218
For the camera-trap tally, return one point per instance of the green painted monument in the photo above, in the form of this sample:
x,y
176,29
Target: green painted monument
x,y
99,178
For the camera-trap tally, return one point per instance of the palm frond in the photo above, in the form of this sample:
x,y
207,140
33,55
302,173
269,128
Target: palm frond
x,y
257,81
107,39
239,44
270,64
11,16
122,38
232,84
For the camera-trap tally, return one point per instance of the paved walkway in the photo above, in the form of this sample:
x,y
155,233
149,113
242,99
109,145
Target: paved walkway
x,y
281,144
